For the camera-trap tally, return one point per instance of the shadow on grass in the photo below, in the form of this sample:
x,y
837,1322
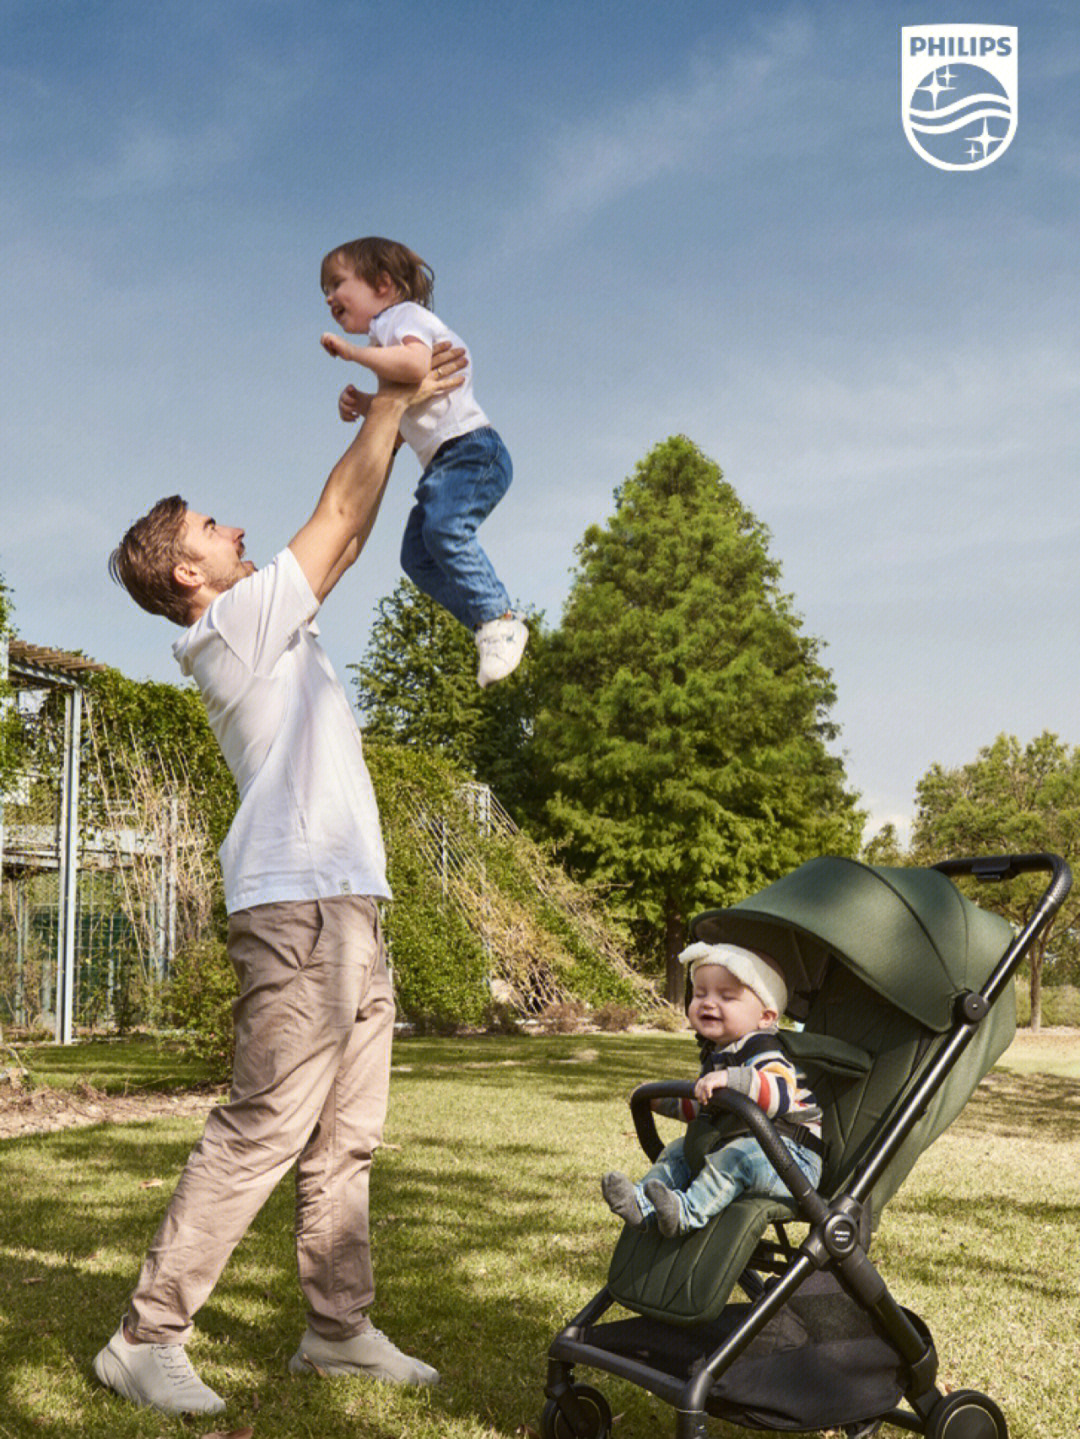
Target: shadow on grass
x,y
1013,1105
947,1270
76,1210
577,1069
479,1259
485,1244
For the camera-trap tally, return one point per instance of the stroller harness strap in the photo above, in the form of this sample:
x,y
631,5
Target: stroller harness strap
x,y
712,1130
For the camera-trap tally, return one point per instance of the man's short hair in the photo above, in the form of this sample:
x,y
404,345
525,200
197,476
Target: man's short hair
x,y
144,560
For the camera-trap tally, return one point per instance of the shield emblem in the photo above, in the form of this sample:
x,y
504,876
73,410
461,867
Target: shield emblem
x,y
958,94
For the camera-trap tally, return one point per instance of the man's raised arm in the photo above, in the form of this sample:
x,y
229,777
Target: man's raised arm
x,y
338,530
350,500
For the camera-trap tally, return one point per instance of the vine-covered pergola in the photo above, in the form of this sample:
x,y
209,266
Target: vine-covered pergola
x,y
34,667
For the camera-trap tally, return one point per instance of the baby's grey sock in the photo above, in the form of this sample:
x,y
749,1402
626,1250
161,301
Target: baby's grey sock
x,y
666,1203
621,1198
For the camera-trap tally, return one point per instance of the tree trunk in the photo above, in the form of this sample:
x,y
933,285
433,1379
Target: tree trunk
x,y
1036,989
674,941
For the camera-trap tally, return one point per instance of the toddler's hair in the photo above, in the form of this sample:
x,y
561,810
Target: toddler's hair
x,y
373,257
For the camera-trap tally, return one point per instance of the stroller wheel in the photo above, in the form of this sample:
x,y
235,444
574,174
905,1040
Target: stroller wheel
x,y
866,1430
966,1414
555,1425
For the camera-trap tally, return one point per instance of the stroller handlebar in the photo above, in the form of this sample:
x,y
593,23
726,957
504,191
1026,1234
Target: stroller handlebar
x,y
998,867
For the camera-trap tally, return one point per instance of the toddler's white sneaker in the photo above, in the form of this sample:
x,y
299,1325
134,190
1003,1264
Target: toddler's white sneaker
x,y
501,644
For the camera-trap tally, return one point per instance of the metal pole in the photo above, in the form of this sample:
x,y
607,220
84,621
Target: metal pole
x,y
161,927
172,849
69,868
22,936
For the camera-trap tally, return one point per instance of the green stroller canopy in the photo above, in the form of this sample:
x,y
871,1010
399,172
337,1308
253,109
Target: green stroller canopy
x,y
907,933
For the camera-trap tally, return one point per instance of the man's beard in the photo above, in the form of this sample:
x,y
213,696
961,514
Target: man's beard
x,y
222,578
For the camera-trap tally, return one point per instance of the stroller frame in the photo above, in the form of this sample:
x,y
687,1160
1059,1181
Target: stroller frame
x,y
837,1242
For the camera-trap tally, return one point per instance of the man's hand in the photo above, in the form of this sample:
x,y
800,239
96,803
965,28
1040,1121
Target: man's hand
x,y
443,375
708,1084
441,378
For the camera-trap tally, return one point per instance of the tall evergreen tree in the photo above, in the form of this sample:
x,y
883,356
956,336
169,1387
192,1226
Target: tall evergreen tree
x,y
686,724
416,685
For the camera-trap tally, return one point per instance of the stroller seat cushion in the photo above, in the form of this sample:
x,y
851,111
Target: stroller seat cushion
x,y
687,1279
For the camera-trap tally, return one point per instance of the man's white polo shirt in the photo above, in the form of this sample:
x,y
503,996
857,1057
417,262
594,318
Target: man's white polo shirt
x,y
307,826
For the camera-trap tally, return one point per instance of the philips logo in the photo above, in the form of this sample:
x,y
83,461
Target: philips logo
x,y
960,47
958,98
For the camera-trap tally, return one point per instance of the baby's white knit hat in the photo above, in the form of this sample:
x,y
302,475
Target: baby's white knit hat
x,y
755,971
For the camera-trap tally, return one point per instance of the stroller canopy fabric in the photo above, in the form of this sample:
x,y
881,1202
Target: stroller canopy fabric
x,y
907,933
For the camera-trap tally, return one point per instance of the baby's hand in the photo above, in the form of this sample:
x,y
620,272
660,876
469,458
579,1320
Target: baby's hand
x,y
352,403
340,348
708,1084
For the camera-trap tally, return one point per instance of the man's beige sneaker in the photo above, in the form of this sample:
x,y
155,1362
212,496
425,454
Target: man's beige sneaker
x,y
155,1376
368,1353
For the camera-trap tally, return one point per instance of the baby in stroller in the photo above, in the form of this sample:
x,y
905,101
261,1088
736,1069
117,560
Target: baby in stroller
x,y
738,996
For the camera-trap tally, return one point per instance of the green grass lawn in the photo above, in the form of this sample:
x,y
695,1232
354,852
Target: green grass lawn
x,y
489,1234
116,1066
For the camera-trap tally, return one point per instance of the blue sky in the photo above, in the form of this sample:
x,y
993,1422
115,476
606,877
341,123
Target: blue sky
x,y
695,218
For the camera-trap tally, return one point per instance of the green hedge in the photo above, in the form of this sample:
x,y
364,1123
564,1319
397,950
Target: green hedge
x,y
1060,1005
442,968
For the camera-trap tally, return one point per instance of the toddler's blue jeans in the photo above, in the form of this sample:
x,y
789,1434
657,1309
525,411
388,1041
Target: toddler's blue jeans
x,y
440,554
738,1167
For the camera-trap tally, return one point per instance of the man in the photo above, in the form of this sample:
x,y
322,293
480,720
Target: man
x,y
304,868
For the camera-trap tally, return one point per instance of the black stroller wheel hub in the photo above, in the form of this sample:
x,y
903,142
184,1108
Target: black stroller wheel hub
x,y
966,1415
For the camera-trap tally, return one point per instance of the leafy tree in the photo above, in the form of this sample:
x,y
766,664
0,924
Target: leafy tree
x,y
11,733
884,847
416,685
1012,799
687,721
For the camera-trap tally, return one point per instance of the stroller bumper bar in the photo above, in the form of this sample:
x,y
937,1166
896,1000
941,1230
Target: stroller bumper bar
x,y
756,1122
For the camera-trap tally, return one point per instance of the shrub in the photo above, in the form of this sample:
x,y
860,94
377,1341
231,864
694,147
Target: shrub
x,y
667,1019
1061,1005
438,963
199,999
474,909
565,1016
614,1017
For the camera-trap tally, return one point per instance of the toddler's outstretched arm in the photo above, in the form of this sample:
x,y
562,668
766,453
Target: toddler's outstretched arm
x,y
441,376
404,364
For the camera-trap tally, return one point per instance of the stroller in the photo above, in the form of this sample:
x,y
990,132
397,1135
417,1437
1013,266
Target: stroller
x,y
904,987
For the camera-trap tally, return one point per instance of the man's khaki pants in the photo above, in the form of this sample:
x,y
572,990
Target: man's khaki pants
x,y
314,1022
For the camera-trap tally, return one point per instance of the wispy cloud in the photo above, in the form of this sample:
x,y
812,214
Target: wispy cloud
x,y
675,130
192,150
